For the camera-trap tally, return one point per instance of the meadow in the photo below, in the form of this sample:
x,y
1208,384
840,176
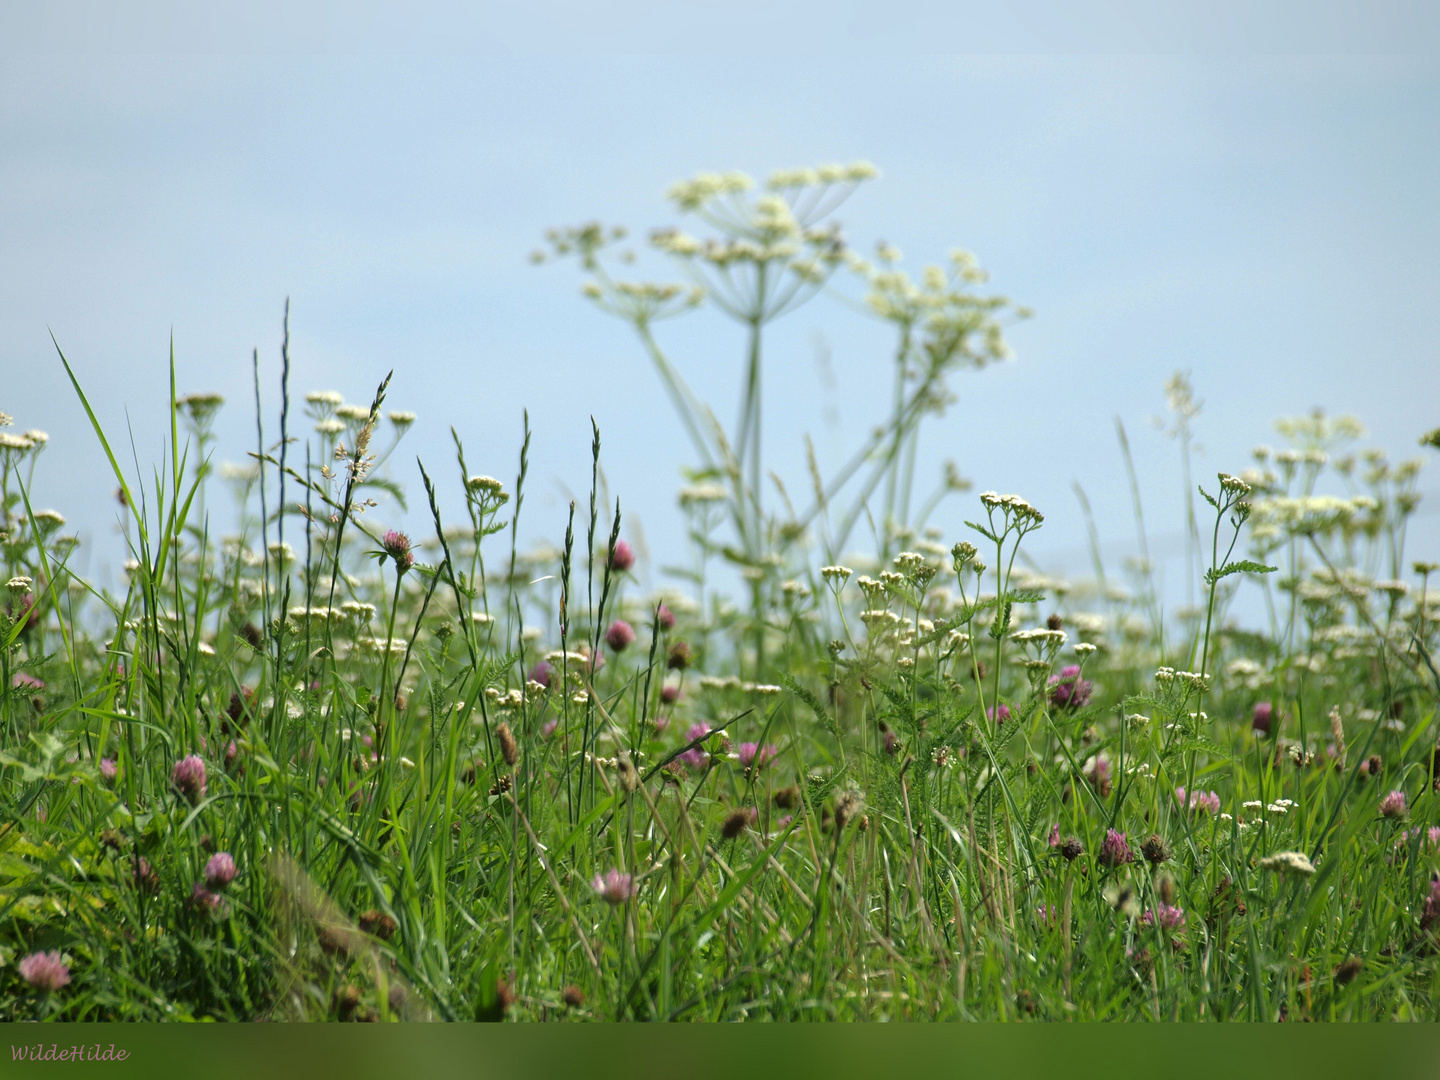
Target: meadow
x,y
844,767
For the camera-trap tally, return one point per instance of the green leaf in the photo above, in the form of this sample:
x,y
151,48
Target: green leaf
x,y
1243,566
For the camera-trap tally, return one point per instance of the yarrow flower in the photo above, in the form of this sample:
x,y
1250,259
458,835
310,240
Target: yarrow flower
x,y
1068,690
188,778
397,546
615,886
1289,862
620,635
44,971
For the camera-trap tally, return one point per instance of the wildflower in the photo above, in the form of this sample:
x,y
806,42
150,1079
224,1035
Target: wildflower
x,y
202,899
541,673
1393,805
753,755
695,758
485,485
219,871
509,749
998,714
737,821
1289,862
109,771
1115,850
890,743
1054,839
1155,849
1262,720
1166,916
836,575
848,805
620,635
622,558
1071,848
402,418
188,778
397,546
377,924
615,886
44,971
670,693
665,617
1431,913
1347,972
625,769
679,658
143,875
1098,773
1068,690
548,728
573,996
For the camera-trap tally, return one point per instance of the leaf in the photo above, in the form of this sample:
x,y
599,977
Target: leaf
x,y
1243,566
804,694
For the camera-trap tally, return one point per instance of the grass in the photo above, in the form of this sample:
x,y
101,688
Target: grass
x,y
462,781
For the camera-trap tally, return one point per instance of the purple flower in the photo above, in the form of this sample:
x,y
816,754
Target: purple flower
x,y
615,886
756,756
1098,773
1207,801
202,899
1431,913
998,714
1054,838
695,758
665,617
1167,916
1261,721
219,871
188,777
44,971
30,685
1115,849
548,728
620,636
1068,690
669,694
659,724
622,557
397,546
542,673
1393,805
143,875
109,771
232,751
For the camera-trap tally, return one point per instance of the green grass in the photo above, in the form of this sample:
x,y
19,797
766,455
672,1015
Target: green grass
x,y
418,825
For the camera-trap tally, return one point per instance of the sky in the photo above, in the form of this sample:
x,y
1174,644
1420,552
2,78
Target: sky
x,y
1265,222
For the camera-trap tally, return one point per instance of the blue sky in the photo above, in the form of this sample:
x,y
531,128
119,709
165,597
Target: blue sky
x,y
1268,223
